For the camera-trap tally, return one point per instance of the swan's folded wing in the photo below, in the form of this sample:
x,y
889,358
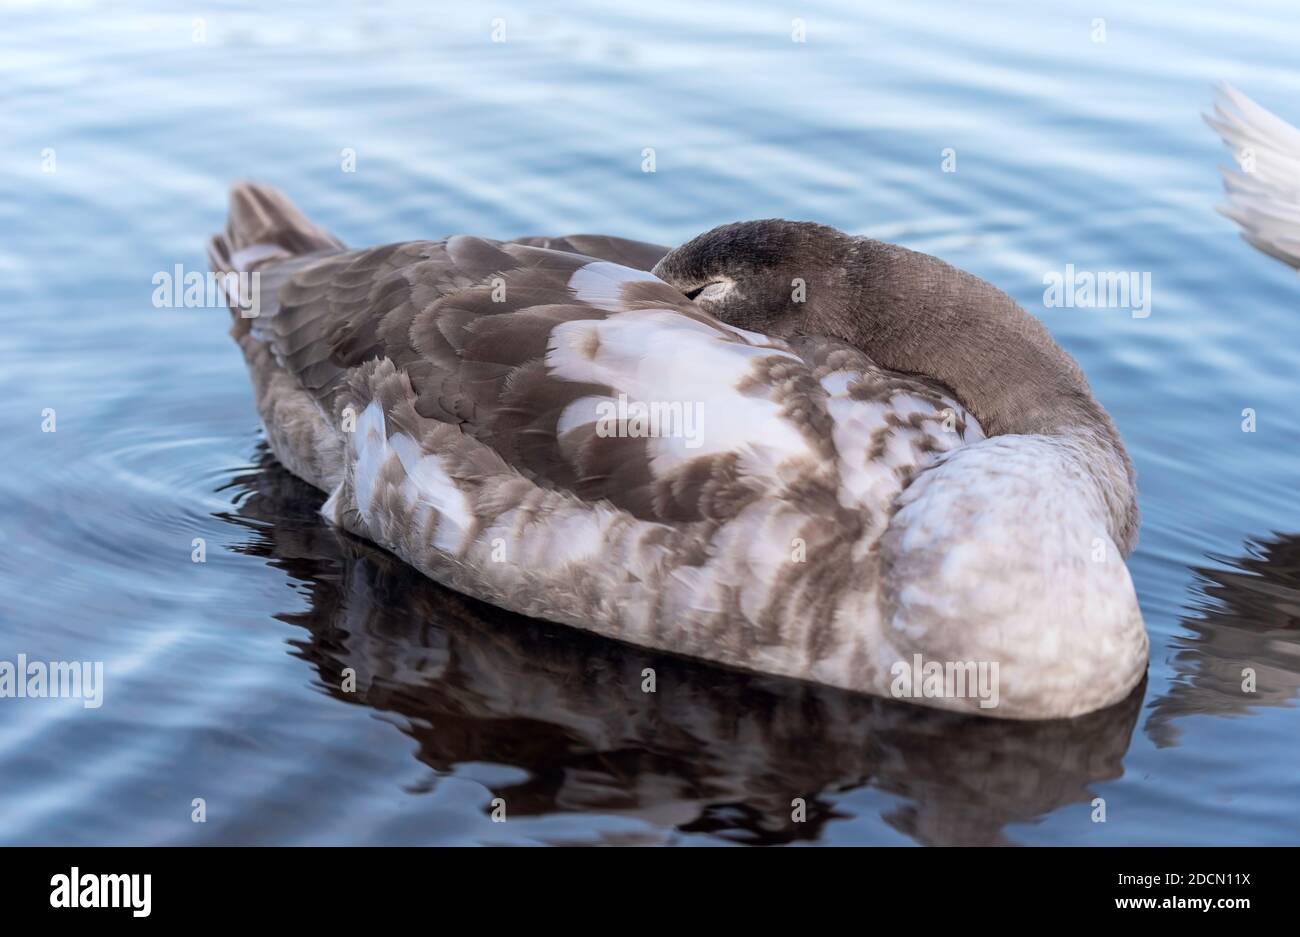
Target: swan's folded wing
x,y
580,374
1264,197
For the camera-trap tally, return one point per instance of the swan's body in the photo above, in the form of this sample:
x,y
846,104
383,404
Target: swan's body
x,y
828,518
1264,197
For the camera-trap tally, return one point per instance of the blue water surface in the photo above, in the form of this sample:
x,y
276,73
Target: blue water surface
x,y
1075,133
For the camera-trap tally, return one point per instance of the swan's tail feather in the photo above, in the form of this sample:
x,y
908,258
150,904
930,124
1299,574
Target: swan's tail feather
x,y
264,227
1264,195
264,233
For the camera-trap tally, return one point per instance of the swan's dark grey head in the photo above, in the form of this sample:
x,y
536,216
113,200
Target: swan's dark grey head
x,y
908,311
777,277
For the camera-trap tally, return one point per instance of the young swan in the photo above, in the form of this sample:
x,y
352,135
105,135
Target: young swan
x,y
1011,549
830,511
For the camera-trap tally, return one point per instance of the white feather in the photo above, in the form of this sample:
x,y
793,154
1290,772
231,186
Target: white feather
x,y
370,450
432,486
1265,198
601,284
658,357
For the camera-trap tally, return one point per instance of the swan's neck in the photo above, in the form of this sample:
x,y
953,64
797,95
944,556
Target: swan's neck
x,y
915,313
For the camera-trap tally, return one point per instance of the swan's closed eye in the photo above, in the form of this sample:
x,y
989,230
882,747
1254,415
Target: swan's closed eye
x,y
710,291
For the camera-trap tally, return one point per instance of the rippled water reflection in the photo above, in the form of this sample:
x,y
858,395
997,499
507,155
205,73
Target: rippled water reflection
x,y
223,678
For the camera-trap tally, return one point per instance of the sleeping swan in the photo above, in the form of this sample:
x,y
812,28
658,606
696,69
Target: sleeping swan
x,y
785,449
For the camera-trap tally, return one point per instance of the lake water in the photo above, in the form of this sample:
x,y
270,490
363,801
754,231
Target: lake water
x,y
119,135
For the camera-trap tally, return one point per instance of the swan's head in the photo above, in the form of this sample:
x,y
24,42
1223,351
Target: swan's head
x,y
777,277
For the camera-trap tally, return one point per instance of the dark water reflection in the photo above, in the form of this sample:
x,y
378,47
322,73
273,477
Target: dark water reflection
x,y
1246,624
710,751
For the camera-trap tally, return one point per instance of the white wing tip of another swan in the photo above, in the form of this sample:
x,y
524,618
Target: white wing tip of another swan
x,y
1264,192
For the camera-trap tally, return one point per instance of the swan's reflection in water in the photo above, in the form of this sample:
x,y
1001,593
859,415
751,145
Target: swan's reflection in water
x,y
1246,616
711,750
